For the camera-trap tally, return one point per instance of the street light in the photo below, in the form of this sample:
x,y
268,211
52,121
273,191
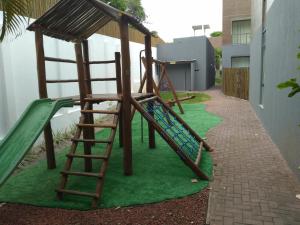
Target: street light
x,y
199,27
196,27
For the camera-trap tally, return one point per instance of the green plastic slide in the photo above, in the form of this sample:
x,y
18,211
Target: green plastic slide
x,y
27,129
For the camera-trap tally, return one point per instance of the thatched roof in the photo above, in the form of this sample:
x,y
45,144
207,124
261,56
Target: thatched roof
x,y
75,20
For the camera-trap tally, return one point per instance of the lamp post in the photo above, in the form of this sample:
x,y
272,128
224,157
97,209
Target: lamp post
x,y
206,27
200,27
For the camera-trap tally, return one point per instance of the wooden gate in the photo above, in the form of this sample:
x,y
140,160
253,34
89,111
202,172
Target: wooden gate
x,y
235,82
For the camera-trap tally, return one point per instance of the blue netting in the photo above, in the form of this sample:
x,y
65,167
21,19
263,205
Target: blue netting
x,y
187,143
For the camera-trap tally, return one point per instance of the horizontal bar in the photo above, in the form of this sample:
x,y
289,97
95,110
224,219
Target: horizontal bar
x,y
84,174
77,193
103,125
101,111
52,59
102,79
62,81
108,141
86,156
147,99
100,62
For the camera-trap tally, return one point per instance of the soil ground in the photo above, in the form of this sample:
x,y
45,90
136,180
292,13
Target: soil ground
x,y
188,210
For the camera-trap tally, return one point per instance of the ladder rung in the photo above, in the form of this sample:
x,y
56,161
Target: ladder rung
x,y
101,111
93,195
84,174
86,156
103,125
102,79
92,141
59,60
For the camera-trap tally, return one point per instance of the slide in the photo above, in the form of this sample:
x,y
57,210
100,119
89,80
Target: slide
x,y
27,129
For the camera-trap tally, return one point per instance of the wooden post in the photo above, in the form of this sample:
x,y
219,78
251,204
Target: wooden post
x,y
126,106
82,90
41,70
149,87
87,72
119,91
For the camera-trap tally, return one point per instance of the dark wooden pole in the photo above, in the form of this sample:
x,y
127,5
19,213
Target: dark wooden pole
x,y
83,90
149,87
41,70
119,91
87,72
126,106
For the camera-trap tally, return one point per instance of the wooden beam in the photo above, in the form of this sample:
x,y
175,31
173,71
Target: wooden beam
x,y
41,70
199,154
149,87
119,91
88,81
100,62
82,90
126,106
52,59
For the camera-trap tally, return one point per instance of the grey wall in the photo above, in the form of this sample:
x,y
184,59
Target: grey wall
x,y
210,65
229,51
280,115
190,48
180,75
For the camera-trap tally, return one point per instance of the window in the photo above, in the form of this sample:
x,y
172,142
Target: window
x,y
241,32
240,62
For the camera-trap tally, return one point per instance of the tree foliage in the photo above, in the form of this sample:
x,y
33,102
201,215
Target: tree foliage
x,y
216,34
291,83
218,57
135,8
118,4
13,16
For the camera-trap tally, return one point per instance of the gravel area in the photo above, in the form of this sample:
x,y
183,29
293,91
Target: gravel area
x,y
188,210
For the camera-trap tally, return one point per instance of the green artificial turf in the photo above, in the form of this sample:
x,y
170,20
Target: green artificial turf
x,y
199,97
158,174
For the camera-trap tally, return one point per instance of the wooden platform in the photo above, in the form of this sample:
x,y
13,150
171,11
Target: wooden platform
x,y
108,97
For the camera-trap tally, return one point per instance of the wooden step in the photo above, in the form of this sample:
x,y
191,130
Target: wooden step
x,y
93,195
102,125
108,141
101,111
86,156
83,174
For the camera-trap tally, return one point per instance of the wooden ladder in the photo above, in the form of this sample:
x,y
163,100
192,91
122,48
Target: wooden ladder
x,y
81,126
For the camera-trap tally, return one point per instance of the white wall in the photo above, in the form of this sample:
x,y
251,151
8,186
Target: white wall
x,y
18,75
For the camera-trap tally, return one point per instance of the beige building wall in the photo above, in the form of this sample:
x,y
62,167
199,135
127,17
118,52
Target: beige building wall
x,y
234,10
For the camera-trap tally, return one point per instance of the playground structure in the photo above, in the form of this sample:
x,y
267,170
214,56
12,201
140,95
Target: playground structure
x,y
169,84
76,21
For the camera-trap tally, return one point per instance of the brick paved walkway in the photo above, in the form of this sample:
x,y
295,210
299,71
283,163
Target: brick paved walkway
x,y
252,182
